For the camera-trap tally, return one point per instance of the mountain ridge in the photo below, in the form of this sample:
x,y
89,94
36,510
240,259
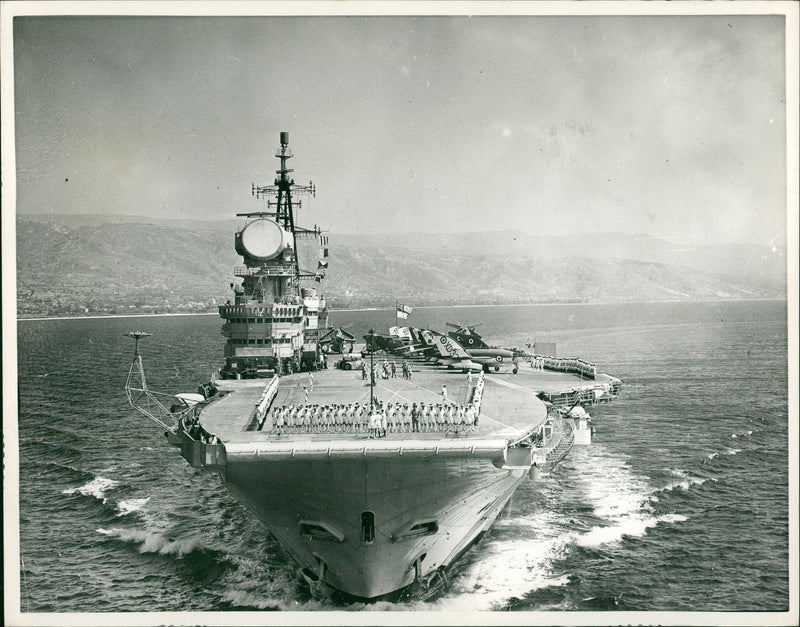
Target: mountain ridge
x,y
70,265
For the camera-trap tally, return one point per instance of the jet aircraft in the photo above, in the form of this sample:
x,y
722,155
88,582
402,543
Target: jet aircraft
x,y
337,340
453,354
472,341
445,350
467,336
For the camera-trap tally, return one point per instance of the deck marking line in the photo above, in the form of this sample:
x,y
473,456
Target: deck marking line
x,y
424,388
512,385
482,415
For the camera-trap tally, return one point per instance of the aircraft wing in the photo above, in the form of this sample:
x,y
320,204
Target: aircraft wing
x,y
411,349
461,364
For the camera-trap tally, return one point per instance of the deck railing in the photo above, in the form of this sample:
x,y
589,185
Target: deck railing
x,y
265,271
598,393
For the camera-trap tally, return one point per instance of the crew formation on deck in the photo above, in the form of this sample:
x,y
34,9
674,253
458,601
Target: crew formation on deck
x,y
572,365
384,418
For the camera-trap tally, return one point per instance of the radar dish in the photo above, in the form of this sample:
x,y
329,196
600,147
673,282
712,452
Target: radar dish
x,y
263,239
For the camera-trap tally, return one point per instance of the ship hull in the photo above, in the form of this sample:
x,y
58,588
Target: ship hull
x,y
448,501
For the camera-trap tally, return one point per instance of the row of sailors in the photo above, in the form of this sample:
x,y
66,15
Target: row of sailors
x,y
266,398
477,394
356,417
570,364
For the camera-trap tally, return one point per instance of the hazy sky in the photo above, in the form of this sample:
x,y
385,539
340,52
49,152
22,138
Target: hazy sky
x,y
670,126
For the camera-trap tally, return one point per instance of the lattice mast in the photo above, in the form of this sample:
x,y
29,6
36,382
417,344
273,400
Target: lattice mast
x,y
283,206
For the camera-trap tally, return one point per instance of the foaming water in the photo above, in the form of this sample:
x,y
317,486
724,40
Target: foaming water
x,y
514,560
150,542
685,482
97,488
610,486
724,453
240,599
131,505
620,498
633,525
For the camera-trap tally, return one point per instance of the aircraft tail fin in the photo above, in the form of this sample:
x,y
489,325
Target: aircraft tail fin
x,y
449,348
469,340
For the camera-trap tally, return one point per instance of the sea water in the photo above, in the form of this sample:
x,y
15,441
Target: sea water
x,y
680,503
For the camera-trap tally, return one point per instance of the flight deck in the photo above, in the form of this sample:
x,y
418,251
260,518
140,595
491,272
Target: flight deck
x,y
509,403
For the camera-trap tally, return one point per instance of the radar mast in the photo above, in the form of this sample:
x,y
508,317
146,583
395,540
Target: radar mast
x,y
282,189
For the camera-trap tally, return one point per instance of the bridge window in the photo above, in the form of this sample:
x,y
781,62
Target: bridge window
x,y
367,527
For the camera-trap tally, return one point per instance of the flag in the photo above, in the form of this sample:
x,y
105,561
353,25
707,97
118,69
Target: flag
x,y
324,252
322,264
403,311
323,240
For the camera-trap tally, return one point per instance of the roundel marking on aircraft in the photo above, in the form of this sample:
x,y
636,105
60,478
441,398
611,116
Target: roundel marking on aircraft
x,y
443,339
471,341
499,358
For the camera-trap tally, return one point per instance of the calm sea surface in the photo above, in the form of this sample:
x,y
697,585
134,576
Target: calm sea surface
x,y
681,502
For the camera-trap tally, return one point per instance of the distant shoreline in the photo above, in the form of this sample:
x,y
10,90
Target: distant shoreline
x,y
389,308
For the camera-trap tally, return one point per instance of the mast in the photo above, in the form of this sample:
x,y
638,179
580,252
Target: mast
x,y
283,187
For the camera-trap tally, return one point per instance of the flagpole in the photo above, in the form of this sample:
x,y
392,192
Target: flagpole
x,y
371,370
395,312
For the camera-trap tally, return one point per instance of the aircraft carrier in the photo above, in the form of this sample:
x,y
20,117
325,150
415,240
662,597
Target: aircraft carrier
x,y
374,471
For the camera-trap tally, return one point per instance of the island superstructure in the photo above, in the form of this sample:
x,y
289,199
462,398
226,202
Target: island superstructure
x,y
373,472
274,321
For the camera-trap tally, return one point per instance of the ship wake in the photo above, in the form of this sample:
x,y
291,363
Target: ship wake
x,y
622,500
517,560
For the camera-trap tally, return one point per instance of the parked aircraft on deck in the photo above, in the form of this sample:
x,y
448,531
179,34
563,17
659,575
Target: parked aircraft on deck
x,y
453,354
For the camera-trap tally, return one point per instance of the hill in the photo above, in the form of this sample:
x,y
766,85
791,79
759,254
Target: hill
x,y
69,265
